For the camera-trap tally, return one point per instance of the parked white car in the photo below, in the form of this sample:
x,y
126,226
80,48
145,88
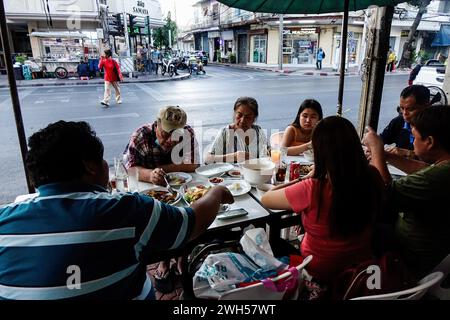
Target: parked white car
x,y
428,75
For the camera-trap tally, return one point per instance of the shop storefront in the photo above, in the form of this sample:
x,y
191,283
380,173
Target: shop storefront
x,y
353,49
258,46
300,45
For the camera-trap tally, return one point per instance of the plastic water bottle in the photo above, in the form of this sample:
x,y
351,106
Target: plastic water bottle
x,y
121,176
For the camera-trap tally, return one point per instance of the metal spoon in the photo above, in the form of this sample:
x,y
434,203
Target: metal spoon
x,y
171,190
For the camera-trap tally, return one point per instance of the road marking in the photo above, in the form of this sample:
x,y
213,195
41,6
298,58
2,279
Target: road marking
x,y
112,116
22,95
152,92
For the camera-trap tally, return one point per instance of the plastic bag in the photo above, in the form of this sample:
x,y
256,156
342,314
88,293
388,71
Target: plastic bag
x,y
256,245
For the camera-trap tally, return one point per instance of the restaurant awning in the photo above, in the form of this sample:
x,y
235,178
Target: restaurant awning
x,y
442,38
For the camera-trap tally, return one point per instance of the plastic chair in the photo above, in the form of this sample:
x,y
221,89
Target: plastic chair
x,y
276,138
437,291
270,290
409,294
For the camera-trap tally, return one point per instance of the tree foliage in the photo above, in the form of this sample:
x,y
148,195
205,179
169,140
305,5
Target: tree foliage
x,y
406,59
161,35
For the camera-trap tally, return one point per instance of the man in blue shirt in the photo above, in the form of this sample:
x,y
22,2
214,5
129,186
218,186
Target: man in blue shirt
x,y
320,57
412,100
76,240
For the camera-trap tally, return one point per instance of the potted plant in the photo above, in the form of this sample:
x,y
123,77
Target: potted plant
x,y
232,57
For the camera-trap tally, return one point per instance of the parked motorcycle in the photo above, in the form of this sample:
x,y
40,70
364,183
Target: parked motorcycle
x,y
180,63
169,67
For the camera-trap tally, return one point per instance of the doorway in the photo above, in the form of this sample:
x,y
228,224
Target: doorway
x,y
242,49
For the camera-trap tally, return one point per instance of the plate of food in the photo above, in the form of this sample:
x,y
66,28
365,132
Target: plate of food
x,y
177,179
193,192
214,169
216,180
238,187
235,173
163,195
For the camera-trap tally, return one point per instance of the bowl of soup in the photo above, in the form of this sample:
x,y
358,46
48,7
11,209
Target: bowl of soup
x,y
258,171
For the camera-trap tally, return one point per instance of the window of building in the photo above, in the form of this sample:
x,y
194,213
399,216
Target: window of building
x,y
259,48
300,46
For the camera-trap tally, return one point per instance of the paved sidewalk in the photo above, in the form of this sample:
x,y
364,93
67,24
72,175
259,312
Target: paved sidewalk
x,y
53,82
307,71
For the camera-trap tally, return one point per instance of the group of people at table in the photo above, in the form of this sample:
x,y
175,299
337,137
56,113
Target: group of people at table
x,y
351,207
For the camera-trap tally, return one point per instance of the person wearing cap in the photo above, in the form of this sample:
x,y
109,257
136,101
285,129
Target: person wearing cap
x,y
166,145
150,148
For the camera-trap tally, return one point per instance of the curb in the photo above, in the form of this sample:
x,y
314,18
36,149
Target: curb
x,y
284,71
95,82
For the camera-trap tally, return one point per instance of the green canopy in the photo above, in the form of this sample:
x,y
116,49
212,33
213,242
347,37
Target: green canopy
x,y
305,6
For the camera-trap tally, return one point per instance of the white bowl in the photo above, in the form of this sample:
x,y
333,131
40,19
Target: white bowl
x,y
258,171
309,155
263,188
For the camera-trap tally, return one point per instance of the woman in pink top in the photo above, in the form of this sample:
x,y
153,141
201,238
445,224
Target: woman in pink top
x,y
112,77
338,203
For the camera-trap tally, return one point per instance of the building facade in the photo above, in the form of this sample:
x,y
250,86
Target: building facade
x,y
40,30
253,38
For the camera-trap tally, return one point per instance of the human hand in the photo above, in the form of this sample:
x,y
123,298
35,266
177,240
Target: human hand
x,y
226,196
371,140
409,154
241,156
157,177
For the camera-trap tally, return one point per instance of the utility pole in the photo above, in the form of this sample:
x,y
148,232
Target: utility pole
x,y
280,52
125,27
375,61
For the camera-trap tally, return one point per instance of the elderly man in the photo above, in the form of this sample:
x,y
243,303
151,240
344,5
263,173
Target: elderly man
x,y
421,198
166,145
75,239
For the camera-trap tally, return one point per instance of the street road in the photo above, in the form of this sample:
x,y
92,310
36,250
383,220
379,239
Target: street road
x,y
208,100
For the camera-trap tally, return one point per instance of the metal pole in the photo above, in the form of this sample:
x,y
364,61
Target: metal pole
x,y
125,27
14,94
280,53
343,57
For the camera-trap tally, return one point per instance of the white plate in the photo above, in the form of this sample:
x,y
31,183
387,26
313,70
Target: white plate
x,y
244,187
214,169
178,196
183,175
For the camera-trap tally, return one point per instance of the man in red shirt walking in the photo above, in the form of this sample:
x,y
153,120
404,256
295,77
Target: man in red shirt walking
x,y
112,77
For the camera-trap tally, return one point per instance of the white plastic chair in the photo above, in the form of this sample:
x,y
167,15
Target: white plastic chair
x,y
437,291
276,138
259,292
409,294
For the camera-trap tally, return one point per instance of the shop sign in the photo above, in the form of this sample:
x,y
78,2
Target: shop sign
x,y
301,31
404,33
138,8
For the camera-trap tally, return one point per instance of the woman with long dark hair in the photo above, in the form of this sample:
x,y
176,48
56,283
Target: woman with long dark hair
x,y
297,136
338,204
